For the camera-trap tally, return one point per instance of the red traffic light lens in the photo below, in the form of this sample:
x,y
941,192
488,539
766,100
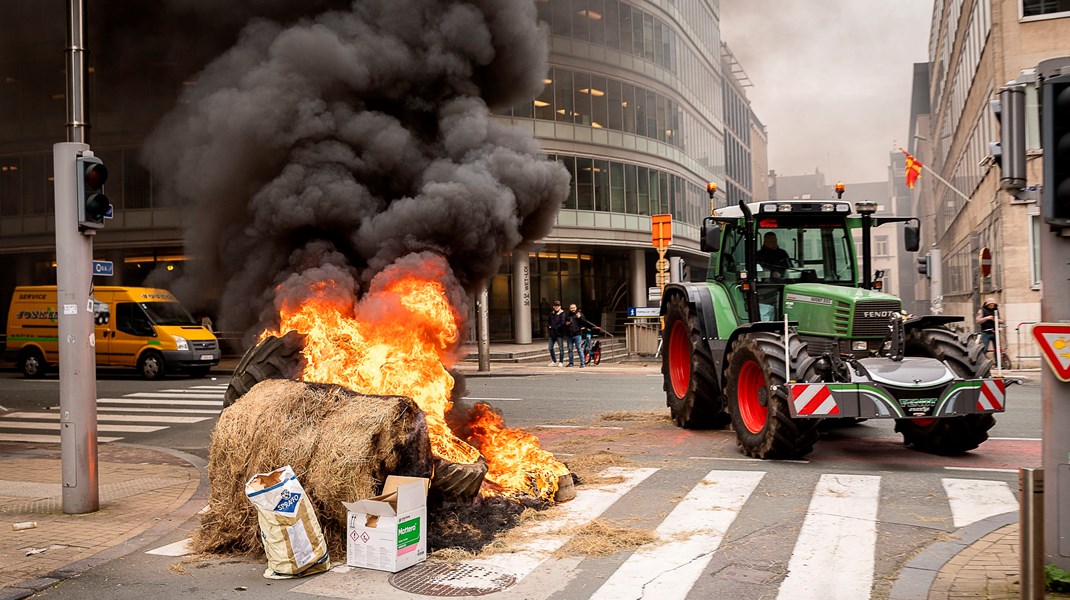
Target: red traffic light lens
x,y
95,176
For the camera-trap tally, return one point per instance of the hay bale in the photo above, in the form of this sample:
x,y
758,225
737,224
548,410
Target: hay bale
x,y
341,444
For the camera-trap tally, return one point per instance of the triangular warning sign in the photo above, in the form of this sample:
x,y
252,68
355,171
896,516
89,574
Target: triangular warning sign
x,y
1054,342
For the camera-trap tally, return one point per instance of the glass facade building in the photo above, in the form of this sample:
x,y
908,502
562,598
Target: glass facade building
x,y
634,106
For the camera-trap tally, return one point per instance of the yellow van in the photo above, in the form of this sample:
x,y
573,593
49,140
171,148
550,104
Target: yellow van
x,y
144,328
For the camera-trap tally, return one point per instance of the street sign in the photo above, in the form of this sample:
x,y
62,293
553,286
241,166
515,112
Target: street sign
x,y
644,311
661,278
986,262
653,294
661,230
103,268
110,213
662,264
1054,342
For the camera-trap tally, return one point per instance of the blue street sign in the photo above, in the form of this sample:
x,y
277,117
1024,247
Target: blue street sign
x,y
644,311
109,214
103,268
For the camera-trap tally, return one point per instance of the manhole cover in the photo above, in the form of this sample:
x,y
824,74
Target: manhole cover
x,y
451,579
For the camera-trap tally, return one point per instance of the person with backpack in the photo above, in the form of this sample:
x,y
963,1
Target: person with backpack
x,y
557,335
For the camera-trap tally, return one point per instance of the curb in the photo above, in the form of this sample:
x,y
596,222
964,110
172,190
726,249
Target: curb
x,y
167,524
917,576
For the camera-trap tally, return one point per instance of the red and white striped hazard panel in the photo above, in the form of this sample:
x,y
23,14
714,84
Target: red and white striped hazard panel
x,y
993,392
813,399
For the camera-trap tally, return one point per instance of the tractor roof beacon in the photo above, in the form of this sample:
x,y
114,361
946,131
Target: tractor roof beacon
x,y
777,340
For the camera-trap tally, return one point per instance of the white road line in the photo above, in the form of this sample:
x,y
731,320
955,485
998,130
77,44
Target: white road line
x,y
100,427
44,439
574,427
166,395
689,535
179,548
492,399
222,386
106,417
186,392
545,537
972,500
742,459
981,469
174,411
159,401
834,554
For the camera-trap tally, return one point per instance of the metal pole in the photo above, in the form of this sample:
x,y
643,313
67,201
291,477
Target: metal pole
x,y
483,327
76,35
936,281
999,348
77,356
521,296
1031,498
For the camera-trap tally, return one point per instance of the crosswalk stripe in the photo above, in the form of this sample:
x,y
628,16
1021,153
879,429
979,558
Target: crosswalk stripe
x,y
186,392
168,395
45,439
545,537
179,548
835,551
178,411
106,417
689,535
100,427
972,500
159,401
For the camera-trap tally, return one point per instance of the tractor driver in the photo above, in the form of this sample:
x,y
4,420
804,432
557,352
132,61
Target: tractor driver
x,y
772,257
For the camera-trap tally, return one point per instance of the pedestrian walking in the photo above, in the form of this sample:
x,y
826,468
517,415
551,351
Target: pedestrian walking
x,y
986,318
557,335
576,323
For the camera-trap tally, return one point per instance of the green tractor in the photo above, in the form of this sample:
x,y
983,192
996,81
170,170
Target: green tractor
x,y
785,333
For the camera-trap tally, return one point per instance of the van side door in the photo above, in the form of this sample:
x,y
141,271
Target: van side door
x,y
131,333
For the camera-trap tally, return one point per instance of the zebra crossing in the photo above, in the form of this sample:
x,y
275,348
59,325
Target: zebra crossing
x,y
840,550
117,418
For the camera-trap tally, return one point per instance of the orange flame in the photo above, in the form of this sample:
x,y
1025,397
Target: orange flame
x,y
398,340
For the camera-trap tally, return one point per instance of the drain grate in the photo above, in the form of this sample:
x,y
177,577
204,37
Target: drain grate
x,y
451,579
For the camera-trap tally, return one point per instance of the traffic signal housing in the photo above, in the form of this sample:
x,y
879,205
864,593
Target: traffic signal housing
x,y
924,266
1009,152
1055,138
93,205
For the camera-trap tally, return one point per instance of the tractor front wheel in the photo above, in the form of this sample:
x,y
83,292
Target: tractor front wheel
x,y
691,388
758,403
966,357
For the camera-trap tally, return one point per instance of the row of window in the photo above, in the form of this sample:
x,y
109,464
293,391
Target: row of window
x,y
27,186
604,103
608,186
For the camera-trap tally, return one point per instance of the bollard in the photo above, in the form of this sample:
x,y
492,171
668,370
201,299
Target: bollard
x,y
1031,536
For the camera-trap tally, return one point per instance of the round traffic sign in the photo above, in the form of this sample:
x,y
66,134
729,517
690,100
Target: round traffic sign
x,y
662,264
986,262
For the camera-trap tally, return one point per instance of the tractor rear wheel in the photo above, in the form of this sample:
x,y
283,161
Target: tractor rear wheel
x,y
759,406
690,380
273,358
966,357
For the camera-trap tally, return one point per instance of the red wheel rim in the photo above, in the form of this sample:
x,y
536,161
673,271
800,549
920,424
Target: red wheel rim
x,y
923,422
751,385
680,359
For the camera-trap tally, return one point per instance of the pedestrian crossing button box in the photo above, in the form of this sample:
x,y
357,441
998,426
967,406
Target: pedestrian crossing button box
x,y
389,532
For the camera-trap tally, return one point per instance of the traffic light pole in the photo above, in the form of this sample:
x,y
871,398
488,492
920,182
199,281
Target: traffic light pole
x,y
77,346
74,280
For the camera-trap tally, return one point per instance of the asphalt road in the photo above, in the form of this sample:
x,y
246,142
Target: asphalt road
x,y
769,518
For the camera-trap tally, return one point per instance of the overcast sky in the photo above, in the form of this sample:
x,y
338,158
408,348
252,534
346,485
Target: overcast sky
x,y
832,78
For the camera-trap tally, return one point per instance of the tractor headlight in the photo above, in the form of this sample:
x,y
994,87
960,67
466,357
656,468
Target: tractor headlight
x,y
181,343
783,207
827,208
859,345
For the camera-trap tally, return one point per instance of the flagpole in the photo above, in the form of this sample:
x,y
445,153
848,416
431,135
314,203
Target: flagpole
x,y
944,181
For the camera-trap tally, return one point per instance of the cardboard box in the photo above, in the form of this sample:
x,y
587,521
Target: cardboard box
x,y
389,532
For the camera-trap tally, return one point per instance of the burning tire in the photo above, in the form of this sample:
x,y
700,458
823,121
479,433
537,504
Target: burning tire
x,y
966,357
273,358
456,482
691,389
759,407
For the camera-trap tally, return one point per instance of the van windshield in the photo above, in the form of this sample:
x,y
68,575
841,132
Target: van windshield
x,y
167,313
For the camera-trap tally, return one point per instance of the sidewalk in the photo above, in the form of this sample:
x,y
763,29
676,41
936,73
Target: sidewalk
x,y
143,492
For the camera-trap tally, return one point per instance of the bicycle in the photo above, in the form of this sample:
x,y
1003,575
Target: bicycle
x,y
592,353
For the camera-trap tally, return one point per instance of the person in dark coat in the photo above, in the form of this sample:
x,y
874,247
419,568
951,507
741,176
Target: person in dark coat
x,y
576,323
557,335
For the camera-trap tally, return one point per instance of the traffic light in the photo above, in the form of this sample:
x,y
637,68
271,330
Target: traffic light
x,y
1055,137
1009,152
93,205
924,267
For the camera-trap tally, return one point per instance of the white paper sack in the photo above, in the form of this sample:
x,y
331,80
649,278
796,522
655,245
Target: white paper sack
x,y
289,529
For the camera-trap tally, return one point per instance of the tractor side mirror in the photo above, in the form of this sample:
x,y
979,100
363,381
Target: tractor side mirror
x,y
912,237
711,237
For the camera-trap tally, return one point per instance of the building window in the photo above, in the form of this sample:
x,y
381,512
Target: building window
x,y
1037,8
880,245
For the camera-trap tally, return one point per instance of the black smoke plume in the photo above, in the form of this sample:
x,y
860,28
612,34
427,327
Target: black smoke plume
x,y
334,144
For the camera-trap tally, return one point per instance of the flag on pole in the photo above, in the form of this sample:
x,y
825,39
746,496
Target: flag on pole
x,y
913,169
